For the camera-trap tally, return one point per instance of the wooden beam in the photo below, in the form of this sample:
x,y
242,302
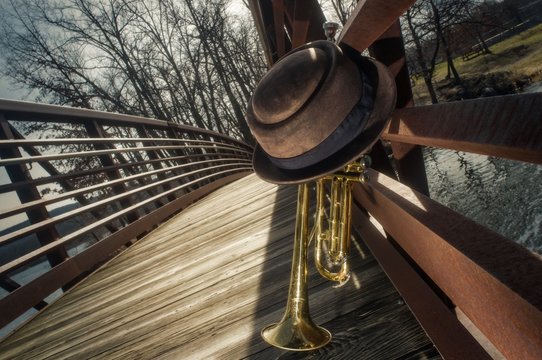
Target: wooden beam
x,y
493,280
369,20
301,21
451,339
280,32
257,14
389,50
307,21
305,17
504,126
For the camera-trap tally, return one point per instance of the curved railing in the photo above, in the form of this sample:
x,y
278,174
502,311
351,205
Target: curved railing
x,y
77,186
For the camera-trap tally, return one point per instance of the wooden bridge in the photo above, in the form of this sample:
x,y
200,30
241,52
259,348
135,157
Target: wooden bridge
x,y
159,242
203,284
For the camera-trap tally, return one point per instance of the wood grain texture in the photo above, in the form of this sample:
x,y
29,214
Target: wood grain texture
x,y
493,280
202,285
449,336
369,20
505,126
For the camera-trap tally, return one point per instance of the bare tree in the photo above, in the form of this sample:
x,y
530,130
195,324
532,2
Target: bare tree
x,y
190,62
417,33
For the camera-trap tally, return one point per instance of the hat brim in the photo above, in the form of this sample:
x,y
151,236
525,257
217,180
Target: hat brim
x,y
384,105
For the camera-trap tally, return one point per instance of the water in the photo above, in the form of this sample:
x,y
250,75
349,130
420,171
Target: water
x,y
537,87
503,195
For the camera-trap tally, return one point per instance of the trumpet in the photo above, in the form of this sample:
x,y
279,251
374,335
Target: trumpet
x,y
296,331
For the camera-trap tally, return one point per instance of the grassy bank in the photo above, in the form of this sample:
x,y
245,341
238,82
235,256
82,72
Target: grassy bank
x,y
513,62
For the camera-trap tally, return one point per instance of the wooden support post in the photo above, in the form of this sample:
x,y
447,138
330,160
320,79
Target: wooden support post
x,y
157,165
280,32
19,173
389,50
94,130
493,280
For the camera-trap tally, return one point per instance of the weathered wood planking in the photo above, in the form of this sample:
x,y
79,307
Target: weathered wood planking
x,y
203,284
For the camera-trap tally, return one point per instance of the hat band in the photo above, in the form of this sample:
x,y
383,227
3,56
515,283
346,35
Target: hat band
x,y
346,132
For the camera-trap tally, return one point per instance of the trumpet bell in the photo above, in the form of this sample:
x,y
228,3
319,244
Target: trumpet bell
x,y
296,334
296,331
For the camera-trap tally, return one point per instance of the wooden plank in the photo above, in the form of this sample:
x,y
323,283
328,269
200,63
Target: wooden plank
x,y
493,280
203,284
369,20
449,336
505,126
25,297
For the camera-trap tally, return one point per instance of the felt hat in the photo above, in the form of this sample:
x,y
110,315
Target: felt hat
x,y
316,110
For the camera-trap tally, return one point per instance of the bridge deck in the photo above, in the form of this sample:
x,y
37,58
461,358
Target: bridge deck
x,y
203,284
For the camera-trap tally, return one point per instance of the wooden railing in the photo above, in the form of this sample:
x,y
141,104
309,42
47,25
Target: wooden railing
x,y
77,186
494,281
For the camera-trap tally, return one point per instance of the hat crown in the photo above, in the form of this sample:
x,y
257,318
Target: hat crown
x,y
289,85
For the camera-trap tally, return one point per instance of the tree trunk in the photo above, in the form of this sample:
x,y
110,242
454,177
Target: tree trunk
x,y
444,42
426,72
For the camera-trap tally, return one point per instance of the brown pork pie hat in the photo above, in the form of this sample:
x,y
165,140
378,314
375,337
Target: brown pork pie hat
x,y
316,110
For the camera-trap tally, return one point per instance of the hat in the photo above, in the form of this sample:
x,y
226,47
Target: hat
x,y
316,110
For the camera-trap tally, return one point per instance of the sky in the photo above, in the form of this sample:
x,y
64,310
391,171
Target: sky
x,y
12,92
6,90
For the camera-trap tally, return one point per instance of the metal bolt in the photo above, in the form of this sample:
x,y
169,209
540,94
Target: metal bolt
x,y
330,29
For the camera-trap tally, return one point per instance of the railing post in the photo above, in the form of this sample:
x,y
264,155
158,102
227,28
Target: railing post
x,y
172,133
389,50
94,130
156,165
52,171
19,173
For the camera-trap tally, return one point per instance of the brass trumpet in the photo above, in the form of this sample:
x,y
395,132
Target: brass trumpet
x,y
296,331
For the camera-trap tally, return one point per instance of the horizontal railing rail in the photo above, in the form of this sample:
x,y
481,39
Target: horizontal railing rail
x,y
494,281
77,186
502,126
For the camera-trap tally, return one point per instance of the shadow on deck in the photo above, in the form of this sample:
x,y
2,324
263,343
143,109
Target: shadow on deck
x,y
203,284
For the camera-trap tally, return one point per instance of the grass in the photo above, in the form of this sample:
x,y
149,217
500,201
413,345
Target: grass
x,y
521,55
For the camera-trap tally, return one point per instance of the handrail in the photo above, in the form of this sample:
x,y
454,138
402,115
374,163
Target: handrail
x,y
493,280
505,126
34,159
17,234
114,188
26,111
63,177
